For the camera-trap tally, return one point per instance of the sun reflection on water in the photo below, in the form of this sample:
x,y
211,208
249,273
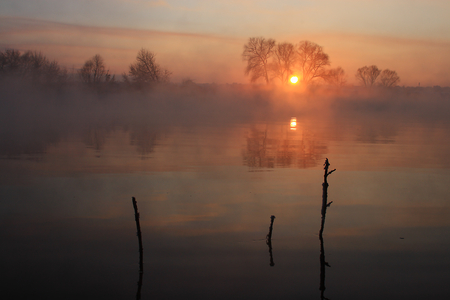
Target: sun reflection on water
x,y
293,123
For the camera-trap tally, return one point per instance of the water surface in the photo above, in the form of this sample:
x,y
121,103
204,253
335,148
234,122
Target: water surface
x,y
206,188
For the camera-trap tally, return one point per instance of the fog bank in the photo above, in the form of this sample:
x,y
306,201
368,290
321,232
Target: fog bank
x,y
33,117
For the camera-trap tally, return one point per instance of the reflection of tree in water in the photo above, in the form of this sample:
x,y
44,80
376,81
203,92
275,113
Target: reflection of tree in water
x,y
382,134
323,265
95,138
144,138
282,149
259,152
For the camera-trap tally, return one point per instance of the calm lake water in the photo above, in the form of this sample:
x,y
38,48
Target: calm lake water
x,y
206,188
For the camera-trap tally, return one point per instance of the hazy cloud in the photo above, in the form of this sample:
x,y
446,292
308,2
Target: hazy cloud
x,y
186,54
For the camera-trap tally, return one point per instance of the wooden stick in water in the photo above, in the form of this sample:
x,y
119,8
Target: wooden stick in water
x,y
141,249
269,240
269,235
138,226
325,205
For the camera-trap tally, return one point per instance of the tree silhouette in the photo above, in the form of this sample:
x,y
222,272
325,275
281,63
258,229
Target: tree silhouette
x,y
10,61
31,65
266,59
94,71
367,76
146,71
312,61
257,53
285,58
336,76
389,78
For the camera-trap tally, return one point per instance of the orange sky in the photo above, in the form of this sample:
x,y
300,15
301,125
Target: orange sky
x,y
190,47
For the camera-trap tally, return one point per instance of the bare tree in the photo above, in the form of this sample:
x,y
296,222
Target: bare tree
x,y
37,67
285,58
367,76
257,53
32,64
94,71
389,78
9,60
146,71
55,74
336,76
312,61
99,70
86,72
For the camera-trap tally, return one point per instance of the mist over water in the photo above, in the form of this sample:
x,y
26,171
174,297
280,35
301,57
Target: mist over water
x,y
209,164
34,118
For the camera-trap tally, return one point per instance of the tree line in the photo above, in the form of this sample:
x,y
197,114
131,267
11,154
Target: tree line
x,y
270,61
34,66
372,76
266,60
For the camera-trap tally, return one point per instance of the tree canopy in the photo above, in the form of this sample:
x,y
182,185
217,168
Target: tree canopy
x,y
285,58
257,53
335,76
368,77
94,71
31,65
312,61
146,71
389,78
269,60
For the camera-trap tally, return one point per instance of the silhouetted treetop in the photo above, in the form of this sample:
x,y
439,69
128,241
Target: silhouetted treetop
x,y
257,53
268,60
389,78
368,77
312,61
94,71
146,71
31,65
335,76
285,59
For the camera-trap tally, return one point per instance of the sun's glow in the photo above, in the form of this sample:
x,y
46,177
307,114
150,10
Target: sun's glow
x,y
293,123
294,79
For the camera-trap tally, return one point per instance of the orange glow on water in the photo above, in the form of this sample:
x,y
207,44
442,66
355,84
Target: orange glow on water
x,y
293,123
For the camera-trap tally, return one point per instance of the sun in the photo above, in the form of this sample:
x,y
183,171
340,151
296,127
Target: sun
x,y
294,79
